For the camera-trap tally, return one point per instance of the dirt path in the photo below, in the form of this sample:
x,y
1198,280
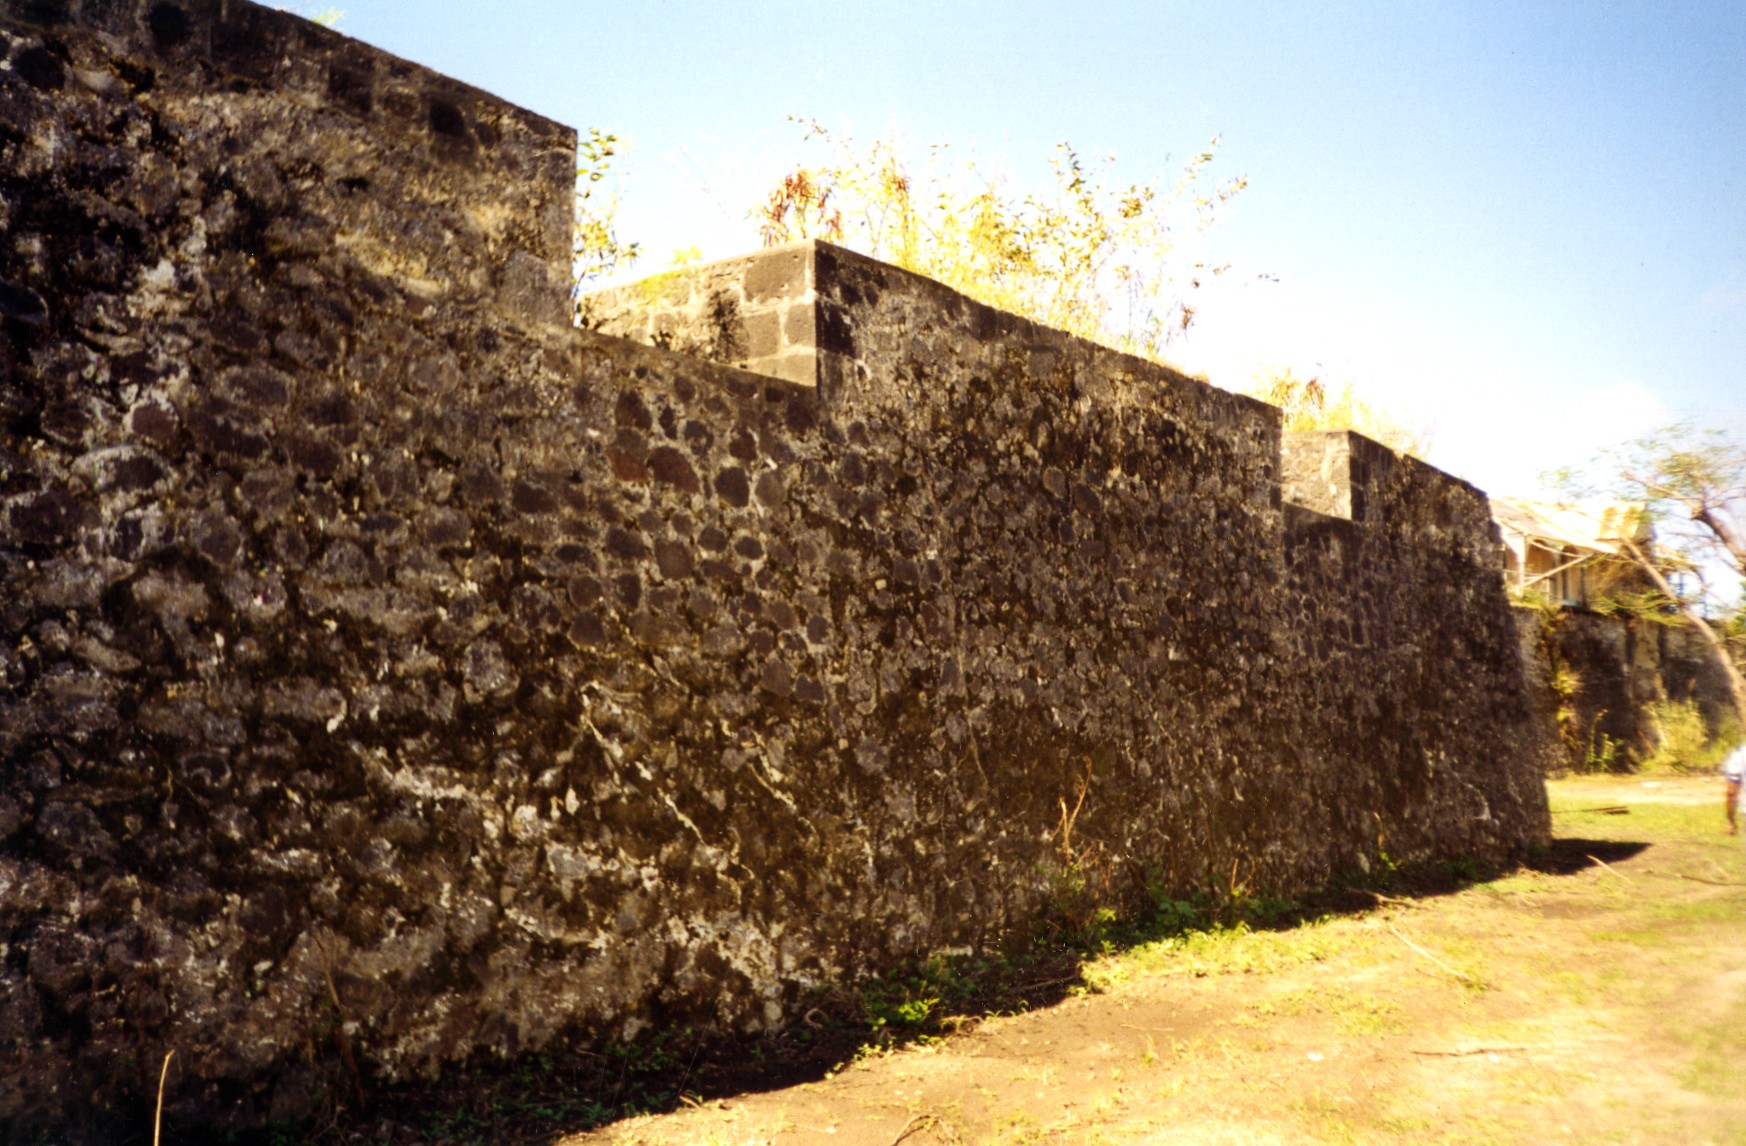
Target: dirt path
x,y
1607,1004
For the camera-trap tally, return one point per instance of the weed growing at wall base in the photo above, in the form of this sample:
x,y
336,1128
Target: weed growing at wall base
x,y
1362,1028
575,1089
1603,752
1683,742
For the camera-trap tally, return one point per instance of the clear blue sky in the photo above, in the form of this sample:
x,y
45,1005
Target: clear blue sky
x,y
1522,223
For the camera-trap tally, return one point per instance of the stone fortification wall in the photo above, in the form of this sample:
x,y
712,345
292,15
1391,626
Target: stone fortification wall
x,y
391,673
281,322
758,312
1615,670
1350,616
1409,653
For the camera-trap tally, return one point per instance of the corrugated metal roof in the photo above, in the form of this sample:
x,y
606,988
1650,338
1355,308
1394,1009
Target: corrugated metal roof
x,y
1595,525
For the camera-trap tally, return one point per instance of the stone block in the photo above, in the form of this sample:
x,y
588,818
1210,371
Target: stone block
x,y
781,274
762,334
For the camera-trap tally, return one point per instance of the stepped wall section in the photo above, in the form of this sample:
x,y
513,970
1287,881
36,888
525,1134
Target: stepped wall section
x,y
392,673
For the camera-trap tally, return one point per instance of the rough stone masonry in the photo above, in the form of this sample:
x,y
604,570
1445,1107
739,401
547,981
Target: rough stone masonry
x,y
390,669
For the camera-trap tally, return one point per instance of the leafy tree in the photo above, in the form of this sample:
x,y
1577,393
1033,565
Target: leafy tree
x,y
596,249
1309,404
1692,485
326,17
1092,257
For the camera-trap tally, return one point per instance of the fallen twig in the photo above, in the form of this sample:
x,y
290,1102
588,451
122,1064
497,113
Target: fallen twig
x,y
1462,975
926,1122
158,1119
1396,900
1610,867
1609,810
1716,882
1476,1050
341,1037
1069,818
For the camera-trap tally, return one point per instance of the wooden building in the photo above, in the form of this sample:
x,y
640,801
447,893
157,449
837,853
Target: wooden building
x,y
1572,552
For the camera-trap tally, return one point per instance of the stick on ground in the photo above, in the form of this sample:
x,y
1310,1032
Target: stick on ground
x,y
1717,882
158,1119
1462,975
925,1122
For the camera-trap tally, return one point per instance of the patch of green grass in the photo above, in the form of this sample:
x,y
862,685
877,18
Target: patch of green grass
x,y
1326,1118
912,1001
1669,924
1018,1129
1214,951
1354,1012
1463,868
1371,1017
1714,909
1518,883
1685,744
1720,1048
1408,1126
1573,805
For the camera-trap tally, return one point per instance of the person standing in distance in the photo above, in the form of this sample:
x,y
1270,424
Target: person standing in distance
x,y
1734,772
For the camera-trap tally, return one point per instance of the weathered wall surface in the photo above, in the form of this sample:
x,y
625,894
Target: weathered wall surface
x,y
390,670
758,312
281,507
1689,670
1617,669
1288,683
1410,656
